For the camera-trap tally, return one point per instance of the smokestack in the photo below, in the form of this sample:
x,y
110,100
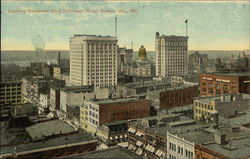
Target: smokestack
x,y
116,26
59,58
132,45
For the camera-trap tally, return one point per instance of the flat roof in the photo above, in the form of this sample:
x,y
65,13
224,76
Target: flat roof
x,y
242,74
242,119
77,88
113,152
142,84
64,140
115,100
208,99
236,148
48,128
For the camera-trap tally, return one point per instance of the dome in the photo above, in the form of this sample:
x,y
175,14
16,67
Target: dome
x,y
142,53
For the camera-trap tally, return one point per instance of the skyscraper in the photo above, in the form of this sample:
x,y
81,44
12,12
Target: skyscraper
x,y
171,55
93,60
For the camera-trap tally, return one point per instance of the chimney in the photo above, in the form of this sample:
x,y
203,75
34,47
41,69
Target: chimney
x,y
59,58
219,138
222,97
232,98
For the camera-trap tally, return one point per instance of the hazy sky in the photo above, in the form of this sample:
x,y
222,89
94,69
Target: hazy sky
x,y
211,25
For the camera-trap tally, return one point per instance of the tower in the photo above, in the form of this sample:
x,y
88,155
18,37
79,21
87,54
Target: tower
x,y
93,60
171,55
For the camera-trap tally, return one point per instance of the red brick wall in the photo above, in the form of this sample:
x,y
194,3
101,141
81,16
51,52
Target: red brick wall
x,y
205,153
175,98
234,87
123,111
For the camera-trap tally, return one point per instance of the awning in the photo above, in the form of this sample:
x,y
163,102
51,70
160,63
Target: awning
x,y
160,153
139,143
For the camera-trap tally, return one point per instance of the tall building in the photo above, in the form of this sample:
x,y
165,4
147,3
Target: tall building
x,y
171,55
10,92
93,60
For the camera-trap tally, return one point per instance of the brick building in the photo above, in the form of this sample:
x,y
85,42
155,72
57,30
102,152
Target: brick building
x,y
219,83
95,112
179,96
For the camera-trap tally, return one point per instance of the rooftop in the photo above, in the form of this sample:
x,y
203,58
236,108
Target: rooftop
x,y
48,128
113,152
65,140
236,148
218,97
243,74
115,100
77,89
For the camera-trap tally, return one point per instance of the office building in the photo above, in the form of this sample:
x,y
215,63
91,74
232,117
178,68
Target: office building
x,y
93,60
212,84
171,55
96,112
10,93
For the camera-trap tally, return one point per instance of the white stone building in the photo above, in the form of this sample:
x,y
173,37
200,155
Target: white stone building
x,y
171,55
179,147
93,60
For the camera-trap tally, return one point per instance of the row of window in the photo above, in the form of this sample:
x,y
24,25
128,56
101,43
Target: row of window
x,y
180,151
202,105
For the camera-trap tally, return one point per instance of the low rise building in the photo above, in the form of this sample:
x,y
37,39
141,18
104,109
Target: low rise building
x,y
10,92
178,96
220,83
34,85
184,138
61,146
75,95
96,112
47,129
113,133
141,87
111,153
23,110
208,109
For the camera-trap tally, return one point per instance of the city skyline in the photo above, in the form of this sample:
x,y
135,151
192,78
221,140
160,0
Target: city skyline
x,y
228,31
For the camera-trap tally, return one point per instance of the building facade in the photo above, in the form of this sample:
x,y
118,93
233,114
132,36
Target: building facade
x,y
125,56
197,62
95,113
171,55
179,96
10,92
179,147
93,60
75,95
54,98
207,109
218,83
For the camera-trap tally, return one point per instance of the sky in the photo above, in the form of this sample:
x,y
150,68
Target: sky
x,y
211,25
